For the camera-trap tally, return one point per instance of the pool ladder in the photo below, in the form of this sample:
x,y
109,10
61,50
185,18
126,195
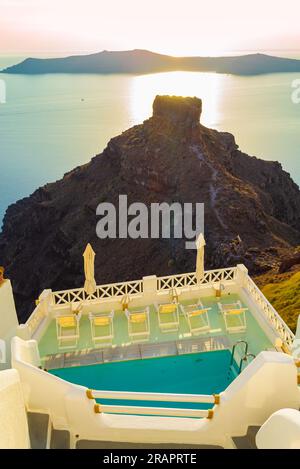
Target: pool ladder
x,y
244,358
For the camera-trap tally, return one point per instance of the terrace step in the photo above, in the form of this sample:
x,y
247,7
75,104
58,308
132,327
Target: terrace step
x,y
38,425
247,441
60,439
95,444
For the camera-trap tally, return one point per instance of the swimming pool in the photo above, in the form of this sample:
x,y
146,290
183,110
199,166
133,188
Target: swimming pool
x,y
196,373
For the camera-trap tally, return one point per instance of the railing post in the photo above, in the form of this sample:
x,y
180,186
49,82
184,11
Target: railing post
x,y
46,301
149,288
241,275
23,332
8,320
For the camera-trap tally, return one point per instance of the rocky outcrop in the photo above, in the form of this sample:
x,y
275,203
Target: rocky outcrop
x,y
252,207
177,110
290,262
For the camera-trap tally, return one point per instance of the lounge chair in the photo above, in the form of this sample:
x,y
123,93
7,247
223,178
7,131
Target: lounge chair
x,y
234,316
197,317
67,330
138,324
168,317
102,328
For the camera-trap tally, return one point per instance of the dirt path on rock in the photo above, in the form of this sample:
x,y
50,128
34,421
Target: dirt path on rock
x,y
213,190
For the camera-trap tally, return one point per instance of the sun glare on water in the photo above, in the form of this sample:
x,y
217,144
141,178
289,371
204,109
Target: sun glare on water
x,y
207,86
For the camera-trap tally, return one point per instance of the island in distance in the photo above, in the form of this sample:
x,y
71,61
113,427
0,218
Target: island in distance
x,y
142,61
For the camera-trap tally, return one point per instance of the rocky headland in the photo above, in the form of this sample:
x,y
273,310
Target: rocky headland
x,y
252,207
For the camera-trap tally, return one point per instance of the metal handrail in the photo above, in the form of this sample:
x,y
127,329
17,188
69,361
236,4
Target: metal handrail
x,y
234,347
244,359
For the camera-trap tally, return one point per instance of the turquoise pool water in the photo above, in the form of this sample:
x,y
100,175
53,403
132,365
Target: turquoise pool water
x,y
197,373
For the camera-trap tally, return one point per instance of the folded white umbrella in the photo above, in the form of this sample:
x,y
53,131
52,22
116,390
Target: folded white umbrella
x,y
89,270
200,243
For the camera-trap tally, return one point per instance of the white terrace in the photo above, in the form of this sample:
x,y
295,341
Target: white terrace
x,y
264,325
265,382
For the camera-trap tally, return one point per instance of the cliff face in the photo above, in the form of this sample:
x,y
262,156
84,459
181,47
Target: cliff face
x,y
252,207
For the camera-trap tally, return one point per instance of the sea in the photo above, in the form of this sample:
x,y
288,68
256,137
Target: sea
x,y
50,124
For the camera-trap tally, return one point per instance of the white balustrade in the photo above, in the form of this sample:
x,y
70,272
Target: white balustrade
x,y
269,313
111,290
115,290
140,288
35,319
210,277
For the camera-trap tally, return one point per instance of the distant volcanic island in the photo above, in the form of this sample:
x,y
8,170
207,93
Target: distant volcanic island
x,y
252,207
142,61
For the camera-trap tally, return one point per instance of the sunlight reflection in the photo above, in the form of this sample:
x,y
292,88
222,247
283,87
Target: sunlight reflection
x,y
207,86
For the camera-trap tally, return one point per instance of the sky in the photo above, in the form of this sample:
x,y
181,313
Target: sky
x,y
176,27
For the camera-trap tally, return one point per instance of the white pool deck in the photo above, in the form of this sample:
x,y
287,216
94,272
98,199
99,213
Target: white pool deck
x,y
159,343
264,327
268,383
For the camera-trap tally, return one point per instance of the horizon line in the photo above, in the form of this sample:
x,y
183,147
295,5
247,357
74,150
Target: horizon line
x,y
97,51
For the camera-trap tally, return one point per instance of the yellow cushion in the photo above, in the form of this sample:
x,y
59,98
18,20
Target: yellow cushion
x,y
67,321
197,312
138,317
235,311
102,321
167,308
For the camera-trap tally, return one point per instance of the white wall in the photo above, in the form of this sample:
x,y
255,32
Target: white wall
x,y
280,431
8,319
268,384
13,419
